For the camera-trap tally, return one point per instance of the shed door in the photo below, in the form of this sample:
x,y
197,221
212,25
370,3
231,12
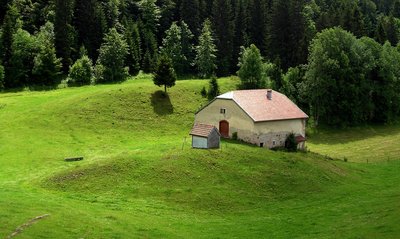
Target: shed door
x,y
224,128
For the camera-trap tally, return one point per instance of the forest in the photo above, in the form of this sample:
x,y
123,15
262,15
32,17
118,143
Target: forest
x,y
337,59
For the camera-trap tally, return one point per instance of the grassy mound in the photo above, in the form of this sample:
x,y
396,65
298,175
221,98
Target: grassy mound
x,y
223,180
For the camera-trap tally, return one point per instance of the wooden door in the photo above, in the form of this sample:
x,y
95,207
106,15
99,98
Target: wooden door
x,y
224,128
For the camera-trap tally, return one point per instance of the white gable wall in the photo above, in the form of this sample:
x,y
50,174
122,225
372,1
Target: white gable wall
x,y
237,118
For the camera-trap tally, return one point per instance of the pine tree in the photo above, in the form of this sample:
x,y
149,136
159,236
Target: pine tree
x,y
241,27
190,14
167,16
1,77
280,32
392,30
64,32
149,50
9,28
213,88
164,74
133,39
206,50
258,24
223,26
150,15
396,9
112,13
149,22
89,14
187,48
171,47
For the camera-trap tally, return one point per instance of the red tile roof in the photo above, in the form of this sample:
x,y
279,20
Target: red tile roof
x,y
256,104
202,130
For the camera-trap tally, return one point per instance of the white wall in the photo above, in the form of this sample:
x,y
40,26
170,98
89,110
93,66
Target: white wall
x,y
199,142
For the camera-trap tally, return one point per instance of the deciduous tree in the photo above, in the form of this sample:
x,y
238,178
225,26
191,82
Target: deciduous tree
x,y
111,62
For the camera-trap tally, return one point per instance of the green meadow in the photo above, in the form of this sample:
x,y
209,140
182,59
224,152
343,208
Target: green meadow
x,y
141,179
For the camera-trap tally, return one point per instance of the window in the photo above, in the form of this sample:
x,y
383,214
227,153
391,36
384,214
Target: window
x,y
223,111
261,145
273,143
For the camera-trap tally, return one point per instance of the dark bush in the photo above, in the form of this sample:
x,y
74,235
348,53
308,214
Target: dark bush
x,y
291,143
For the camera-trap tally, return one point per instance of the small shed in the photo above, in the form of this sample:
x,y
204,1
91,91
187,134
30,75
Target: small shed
x,y
205,136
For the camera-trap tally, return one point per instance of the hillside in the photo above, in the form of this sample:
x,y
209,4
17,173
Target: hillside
x,y
140,178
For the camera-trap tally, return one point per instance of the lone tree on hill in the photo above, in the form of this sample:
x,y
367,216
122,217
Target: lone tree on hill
x,y
165,73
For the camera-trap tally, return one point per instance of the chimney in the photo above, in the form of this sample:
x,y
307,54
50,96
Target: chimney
x,y
269,94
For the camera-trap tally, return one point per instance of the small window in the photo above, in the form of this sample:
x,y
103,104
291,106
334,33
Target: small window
x,y
273,143
261,145
223,111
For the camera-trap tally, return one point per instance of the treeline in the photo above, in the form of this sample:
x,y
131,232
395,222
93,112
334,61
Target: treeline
x,y
106,40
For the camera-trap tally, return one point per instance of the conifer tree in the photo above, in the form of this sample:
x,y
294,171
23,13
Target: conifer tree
x,y
164,74
150,15
149,58
178,47
258,24
89,14
223,26
64,32
213,88
205,52
190,14
1,77
133,39
167,16
9,28
241,27
171,47
187,47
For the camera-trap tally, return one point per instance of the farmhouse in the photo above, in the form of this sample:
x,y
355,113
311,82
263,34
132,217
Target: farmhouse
x,y
205,136
262,117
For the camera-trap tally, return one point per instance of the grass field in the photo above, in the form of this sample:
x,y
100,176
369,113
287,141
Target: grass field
x,y
363,144
139,178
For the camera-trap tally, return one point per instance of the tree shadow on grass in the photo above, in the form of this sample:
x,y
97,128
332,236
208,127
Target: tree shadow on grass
x,y
161,103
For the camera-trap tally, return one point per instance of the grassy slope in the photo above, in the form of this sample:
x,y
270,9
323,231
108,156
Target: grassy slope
x,y
136,181
363,144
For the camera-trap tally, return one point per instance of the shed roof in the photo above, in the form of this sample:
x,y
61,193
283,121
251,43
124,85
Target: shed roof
x,y
300,139
257,105
202,130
